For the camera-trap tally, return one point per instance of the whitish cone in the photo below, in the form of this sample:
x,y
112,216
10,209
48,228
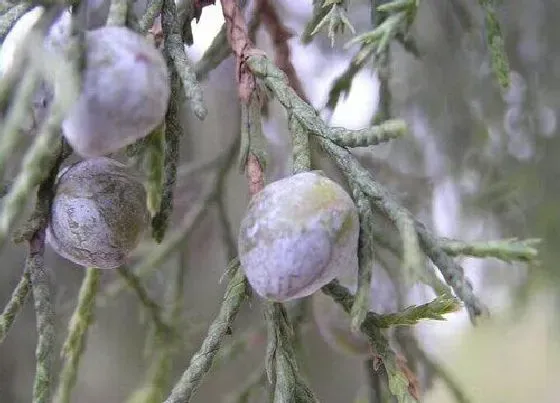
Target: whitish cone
x,y
124,96
299,233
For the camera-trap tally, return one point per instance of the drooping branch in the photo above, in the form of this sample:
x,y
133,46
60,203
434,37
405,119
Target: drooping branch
x,y
75,343
356,173
44,312
14,305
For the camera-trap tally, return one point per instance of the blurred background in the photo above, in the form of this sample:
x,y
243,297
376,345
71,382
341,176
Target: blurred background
x,y
480,164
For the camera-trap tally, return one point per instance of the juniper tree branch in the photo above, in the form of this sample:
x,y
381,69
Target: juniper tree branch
x,y
319,12
153,158
433,310
41,157
228,234
356,173
496,43
218,51
172,127
361,304
156,383
281,363
335,19
149,16
381,198
39,281
14,305
19,108
175,53
277,81
162,252
507,250
44,312
397,380
301,151
75,343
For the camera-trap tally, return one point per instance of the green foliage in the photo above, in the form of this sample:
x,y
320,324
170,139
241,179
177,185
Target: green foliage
x,y
397,18
154,157
362,302
496,43
75,342
335,19
415,247
281,364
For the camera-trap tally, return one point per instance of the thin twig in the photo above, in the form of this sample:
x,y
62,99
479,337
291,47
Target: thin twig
x,y
172,132
361,304
177,59
152,11
34,265
41,156
398,382
163,251
280,35
282,370
452,271
44,312
75,343
14,305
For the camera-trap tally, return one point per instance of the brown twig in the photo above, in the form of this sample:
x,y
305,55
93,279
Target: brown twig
x,y
413,383
255,174
280,35
242,48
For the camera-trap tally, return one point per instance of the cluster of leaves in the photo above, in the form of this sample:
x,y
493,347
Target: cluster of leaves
x,y
423,255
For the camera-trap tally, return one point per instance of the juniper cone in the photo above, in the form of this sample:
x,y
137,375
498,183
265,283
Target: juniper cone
x,y
98,213
356,255
124,96
299,233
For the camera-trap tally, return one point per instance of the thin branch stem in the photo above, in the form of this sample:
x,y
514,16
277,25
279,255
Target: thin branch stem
x,y
75,343
44,312
14,305
284,377
175,53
